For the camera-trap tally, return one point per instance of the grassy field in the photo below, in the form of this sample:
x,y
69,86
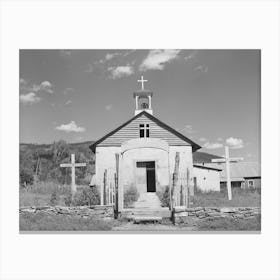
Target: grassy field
x,y
230,224
240,198
47,222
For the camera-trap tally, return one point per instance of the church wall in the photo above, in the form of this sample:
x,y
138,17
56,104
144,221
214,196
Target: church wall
x,y
105,159
131,173
207,179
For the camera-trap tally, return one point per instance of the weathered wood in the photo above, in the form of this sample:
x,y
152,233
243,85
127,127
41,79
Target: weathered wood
x,y
175,178
131,131
73,165
117,184
227,160
104,187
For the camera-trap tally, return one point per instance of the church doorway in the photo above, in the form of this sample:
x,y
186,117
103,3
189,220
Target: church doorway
x,y
148,174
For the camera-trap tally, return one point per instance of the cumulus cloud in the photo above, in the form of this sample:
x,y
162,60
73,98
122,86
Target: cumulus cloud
x,y
70,127
157,59
46,86
212,146
68,102
235,143
121,71
29,98
219,139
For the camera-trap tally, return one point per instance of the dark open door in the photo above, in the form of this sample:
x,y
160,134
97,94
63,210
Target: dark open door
x,y
151,176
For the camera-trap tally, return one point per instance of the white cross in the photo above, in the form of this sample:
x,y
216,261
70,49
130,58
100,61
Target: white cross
x,y
142,81
73,165
227,160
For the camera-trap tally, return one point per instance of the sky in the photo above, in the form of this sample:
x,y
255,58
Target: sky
x,y
211,96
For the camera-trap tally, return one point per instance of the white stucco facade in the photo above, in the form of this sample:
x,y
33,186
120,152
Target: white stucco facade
x,y
206,179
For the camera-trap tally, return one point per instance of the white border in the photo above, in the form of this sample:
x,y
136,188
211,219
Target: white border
x,y
186,25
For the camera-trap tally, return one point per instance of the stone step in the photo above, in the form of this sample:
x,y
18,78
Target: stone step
x,y
146,219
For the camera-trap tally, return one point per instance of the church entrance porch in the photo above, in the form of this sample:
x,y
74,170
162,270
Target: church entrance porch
x,y
146,176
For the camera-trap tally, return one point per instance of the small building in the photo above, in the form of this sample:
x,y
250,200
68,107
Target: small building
x,y
145,148
206,175
243,175
206,178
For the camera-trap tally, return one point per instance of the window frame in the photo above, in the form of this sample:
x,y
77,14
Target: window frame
x,y
144,130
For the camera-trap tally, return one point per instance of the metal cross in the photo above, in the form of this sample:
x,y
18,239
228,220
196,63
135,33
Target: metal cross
x,y
142,81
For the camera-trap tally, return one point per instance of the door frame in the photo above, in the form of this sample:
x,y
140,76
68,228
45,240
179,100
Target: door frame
x,y
135,167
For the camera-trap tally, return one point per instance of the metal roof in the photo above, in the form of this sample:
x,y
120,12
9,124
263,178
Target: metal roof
x,y
239,170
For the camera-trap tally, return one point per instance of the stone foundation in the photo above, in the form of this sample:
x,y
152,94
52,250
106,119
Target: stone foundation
x,y
98,211
181,214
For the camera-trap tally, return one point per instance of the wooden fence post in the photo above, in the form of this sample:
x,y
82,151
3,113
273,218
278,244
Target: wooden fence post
x,y
175,178
104,188
117,186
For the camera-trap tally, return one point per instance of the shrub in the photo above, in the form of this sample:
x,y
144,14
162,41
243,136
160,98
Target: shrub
x,y
54,198
164,196
86,196
130,196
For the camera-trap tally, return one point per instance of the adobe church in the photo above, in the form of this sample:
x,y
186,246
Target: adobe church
x,y
146,149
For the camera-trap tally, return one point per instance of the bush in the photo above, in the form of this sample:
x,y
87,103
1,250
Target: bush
x,y
87,196
130,196
164,196
54,198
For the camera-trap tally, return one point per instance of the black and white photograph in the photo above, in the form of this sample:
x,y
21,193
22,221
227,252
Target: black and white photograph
x,y
140,140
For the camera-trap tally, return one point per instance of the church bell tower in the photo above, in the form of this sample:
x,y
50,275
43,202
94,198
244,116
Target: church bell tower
x,y
143,99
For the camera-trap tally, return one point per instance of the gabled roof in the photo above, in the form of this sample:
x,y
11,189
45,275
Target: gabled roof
x,y
201,157
152,118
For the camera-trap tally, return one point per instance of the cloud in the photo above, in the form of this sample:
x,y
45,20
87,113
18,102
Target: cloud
x,y
108,107
190,56
46,86
219,139
212,146
70,127
201,68
235,143
189,129
121,71
29,98
109,56
202,139
68,102
157,59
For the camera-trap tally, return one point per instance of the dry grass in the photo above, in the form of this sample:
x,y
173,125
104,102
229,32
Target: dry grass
x,y
47,222
240,198
40,194
230,224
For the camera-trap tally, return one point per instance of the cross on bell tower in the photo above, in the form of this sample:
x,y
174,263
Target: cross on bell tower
x,y
143,98
142,81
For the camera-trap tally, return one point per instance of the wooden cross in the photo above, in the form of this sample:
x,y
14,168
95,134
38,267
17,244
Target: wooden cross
x,y
142,81
227,160
73,165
